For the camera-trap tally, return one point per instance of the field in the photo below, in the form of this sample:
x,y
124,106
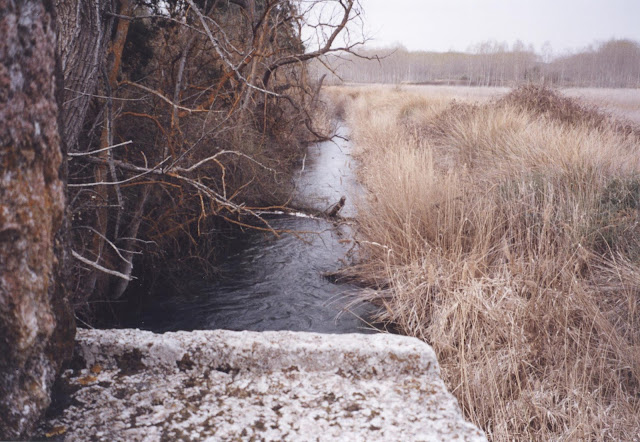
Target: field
x,y
624,103
504,229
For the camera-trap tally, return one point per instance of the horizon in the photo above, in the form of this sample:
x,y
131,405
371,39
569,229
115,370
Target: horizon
x,y
470,50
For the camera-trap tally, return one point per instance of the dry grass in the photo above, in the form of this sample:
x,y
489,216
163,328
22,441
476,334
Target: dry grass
x,y
509,240
546,103
624,103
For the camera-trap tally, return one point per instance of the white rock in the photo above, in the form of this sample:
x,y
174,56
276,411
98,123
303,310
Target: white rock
x,y
222,385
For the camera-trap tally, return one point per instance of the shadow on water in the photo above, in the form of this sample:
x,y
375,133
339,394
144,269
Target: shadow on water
x,y
275,283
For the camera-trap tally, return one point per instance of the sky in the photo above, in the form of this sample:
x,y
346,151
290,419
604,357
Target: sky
x,y
441,25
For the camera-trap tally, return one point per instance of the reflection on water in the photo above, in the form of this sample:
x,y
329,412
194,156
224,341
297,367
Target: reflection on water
x,y
277,283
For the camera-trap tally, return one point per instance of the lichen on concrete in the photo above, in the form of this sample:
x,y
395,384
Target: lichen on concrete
x,y
224,385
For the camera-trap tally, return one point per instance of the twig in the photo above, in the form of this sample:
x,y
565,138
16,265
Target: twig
x,y
113,246
163,98
97,266
119,163
82,154
213,158
221,53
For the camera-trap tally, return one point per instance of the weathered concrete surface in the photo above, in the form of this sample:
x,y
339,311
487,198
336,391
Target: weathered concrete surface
x,y
223,385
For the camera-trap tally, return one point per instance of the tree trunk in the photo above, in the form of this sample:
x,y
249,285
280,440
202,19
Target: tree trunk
x,y
99,281
83,34
84,30
36,326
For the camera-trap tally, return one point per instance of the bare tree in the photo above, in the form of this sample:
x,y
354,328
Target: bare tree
x,y
615,63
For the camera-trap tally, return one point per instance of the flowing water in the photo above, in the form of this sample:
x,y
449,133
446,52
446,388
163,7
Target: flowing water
x,y
276,283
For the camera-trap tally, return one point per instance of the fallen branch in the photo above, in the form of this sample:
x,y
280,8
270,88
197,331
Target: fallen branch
x,y
333,212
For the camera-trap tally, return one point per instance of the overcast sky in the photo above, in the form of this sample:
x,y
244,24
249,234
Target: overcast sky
x,y
441,25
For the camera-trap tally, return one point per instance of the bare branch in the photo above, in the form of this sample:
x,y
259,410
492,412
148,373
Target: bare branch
x,y
97,266
113,246
112,183
162,97
82,154
213,158
223,57
327,47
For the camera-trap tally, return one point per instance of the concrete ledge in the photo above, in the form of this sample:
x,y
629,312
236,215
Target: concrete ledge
x,y
221,385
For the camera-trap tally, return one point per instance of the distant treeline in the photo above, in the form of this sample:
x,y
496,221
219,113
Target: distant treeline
x,y
615,63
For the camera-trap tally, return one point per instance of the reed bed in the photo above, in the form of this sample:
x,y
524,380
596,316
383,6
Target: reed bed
x,y
506,234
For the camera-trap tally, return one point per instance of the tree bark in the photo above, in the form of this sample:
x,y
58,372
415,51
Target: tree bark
x,y
83,34
84,31
99,280
36,326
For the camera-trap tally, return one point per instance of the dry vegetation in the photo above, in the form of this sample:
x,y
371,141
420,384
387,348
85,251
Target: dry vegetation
x,y
506,234
624,103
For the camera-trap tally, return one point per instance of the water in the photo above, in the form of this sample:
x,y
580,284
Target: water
x,y
277,283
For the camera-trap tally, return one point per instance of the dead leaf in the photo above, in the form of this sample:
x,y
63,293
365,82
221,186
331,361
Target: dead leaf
x,y
56,431
87,380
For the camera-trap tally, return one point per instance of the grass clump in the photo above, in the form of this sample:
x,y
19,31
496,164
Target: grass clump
x,y
510,243
545,102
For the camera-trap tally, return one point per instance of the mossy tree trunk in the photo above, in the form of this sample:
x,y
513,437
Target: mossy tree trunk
x,y
36,325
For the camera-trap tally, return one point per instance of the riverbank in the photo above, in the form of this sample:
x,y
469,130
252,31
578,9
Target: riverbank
x,y
274,279
505,234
